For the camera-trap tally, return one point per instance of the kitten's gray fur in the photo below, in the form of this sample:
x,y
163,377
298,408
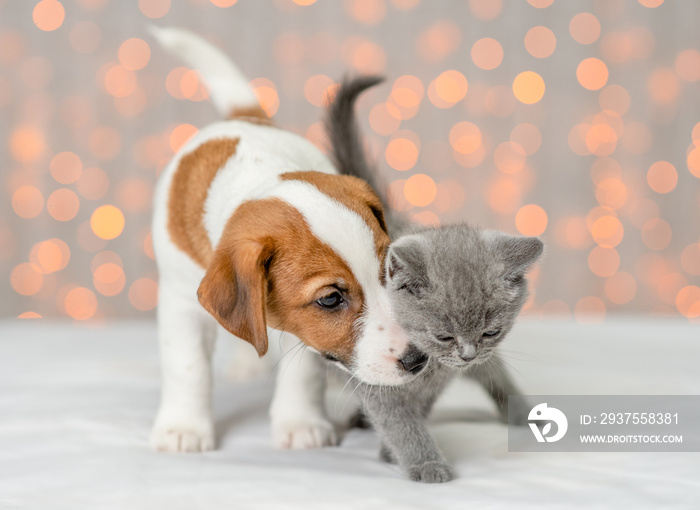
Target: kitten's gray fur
x,y
451,288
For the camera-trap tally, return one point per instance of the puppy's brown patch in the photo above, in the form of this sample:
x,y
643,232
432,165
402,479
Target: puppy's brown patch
x,y
353,193
270,268
188,192
252,114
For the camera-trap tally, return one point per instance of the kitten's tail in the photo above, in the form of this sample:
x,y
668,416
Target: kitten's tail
x,y
346,143
228,87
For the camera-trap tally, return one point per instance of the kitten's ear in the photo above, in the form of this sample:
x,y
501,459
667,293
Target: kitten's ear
x,y
518,253
406,265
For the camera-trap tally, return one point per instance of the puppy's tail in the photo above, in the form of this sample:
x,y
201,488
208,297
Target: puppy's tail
x,y
228,87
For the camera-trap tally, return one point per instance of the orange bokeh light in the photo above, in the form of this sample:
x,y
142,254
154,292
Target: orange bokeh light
x,y
592,73
603,262
528,87
318,89
107,222
228,3
590,310
80,303
621,288
27,279
540,42
662,177
266,93
401,154
120,81
27,202
527,136
66,167
584,28
540,4
690,259
504,196
656,234
143,294
27,144
693,161
509,157
687,65
420,190
109,279
134,54
180,135
485,9
611,192
465,137
51,255
154,8
449,87
438,41
368,12
487,53
531,220
614,98
663,86
688,301
607,231
48,15
382,121
651,3
63,204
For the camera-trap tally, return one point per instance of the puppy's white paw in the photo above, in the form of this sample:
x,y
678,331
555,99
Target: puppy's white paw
x,y
181,436
304,435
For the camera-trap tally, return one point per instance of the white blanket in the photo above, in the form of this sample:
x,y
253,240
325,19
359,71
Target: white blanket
x,y
76,405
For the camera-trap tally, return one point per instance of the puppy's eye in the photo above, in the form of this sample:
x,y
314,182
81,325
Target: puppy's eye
x,y
491,333
445,338
331,300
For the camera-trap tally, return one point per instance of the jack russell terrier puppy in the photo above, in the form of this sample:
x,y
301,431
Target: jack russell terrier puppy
x,y
254,228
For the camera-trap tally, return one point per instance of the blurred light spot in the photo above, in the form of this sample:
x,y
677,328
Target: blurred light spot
x,y
80,303
642,42
694,162
134,194
485,9
696,135
611,192
690,259
12,46
571,233
603,262
105,257
438,41
304,3
364,56
143,294
509,157
540,42
584,28
172,82
504,196
63,204
405,5
66,167
540,4
27,144
107,222
601,140
662,177
555,309
50,256
381,121
228,3
368,12
590,310
651,3
48,15
577,139
528,87
656,234
180,135
317,135
132,105
93,5
93,183
406,96
605,168
120,81
465,137
527,136
688,65
663,86
592,73
317,89
669,286
427,218
500,101
27,279
487,53
192,87
27,202
420,190
607,231
266,92
620,288
616,47
401,154
637,137
134,53
531,220
154,8
109,279
615,98
288,48
85,37
29,315
688,301
105,142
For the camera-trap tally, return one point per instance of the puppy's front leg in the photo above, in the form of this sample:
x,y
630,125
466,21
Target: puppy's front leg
x,y
186,335
297,412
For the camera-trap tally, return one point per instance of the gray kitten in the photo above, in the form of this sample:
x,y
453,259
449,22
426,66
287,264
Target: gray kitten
x,y
456,290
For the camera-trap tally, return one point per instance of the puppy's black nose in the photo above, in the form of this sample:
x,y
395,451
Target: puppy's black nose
x,y
413,360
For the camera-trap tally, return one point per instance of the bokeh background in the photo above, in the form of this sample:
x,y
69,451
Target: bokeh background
x,y
575,121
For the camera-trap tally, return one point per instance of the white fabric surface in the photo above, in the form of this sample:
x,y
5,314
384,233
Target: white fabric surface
x,y
76,405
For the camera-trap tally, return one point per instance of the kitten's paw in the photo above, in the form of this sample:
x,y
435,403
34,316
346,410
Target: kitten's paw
x,y
385,455
304,435
431,472
182,439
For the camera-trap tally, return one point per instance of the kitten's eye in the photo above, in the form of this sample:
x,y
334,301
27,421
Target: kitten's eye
x,y
331,300
445,338
491,333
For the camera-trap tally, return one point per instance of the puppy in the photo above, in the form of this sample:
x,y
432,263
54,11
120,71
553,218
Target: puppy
x,y
254,228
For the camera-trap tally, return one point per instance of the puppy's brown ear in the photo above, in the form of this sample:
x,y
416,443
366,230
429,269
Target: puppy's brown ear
x,y
234,290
